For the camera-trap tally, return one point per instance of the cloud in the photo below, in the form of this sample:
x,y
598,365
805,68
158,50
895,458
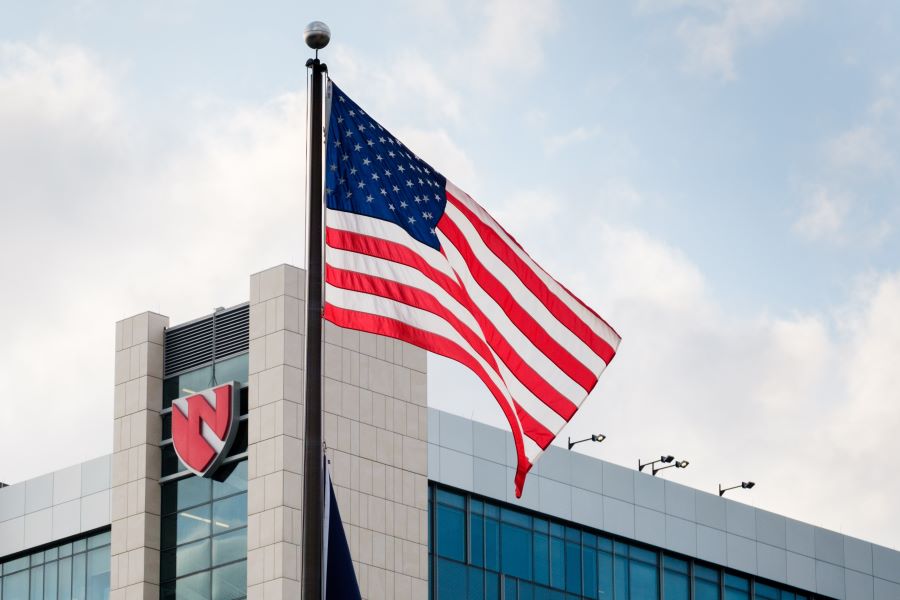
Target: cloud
x,y
556,143
713,41
824,216
860,148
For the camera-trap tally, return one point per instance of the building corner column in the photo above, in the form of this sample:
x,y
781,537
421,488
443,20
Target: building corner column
x,y
137,429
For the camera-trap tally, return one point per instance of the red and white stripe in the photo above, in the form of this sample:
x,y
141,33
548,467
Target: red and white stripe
x,y
480,300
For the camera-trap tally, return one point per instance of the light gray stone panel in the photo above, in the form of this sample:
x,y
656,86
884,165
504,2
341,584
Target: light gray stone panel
x,y
650,492
858,555
650,526
67,484
618,516
587,473
511,459
556,499
681,535
555,464
680,501
618,482
859,586
830,580
12,501
740,519
434,462
489,443
531,493
587,508
434,426
95,475
801,538
39,527
456,468
39,493
886,590
801,571
741,553
771,529
829,546
711,545
710,510
490,479
66,519
95,511
771,562
886,563
456,433
12,535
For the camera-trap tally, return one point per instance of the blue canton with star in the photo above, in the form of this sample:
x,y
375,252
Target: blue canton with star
x,y
369,172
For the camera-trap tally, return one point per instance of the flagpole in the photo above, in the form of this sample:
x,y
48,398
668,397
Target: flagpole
x,y
317,36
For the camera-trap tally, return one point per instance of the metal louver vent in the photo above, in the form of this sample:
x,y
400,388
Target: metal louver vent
x,y
199,342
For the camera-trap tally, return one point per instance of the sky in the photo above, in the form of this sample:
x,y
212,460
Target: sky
x,y
717,178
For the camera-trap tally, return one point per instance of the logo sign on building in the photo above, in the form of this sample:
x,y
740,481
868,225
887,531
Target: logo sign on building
x,y
204,426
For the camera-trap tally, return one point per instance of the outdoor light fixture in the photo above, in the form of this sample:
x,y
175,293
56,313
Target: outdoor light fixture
x,y
678,464
662,459
747,485
598,437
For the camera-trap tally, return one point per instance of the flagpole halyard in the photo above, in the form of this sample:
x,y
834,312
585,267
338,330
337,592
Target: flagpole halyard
x,y
317,35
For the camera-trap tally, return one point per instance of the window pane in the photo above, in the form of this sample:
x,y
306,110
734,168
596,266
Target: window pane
x,y
621,575
195,587
557,563
676,585
644,580
186,526
16,585
101,539
65,550
736,588
605,575
15,565
647,556
79,546
98,574
50,554
476,537
235,482
78,576
491,586
476,584
65,579
37,559
233,369
706,583
228,547
510,588
230,513
491,544
37,584
516,550
451,534
589,567
451,499
451,580
515,517
573,567
541,558
188,558
50,580
766,591
191,491
230,582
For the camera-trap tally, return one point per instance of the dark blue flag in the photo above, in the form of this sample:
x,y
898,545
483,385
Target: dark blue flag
x,y
340,579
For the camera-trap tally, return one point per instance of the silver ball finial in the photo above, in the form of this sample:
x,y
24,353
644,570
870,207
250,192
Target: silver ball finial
x,y
317,35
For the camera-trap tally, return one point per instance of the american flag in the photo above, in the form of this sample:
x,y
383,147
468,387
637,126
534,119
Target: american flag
x,y
409,255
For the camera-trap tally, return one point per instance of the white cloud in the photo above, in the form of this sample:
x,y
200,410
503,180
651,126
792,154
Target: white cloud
x,y
556,143
513,32
862,147
824,216
713,42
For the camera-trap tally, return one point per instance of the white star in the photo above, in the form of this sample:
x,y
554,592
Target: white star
x,y
337,143
362,127
421,182
370,143
396,189
400,168
340,119
381,139
349,194
436,197
375,177
403,204
387,173
409,183
328,190
417,199
352,113
391,153
345,156
383,192
352,170
432,231
412,220
369,198
357,147
378,158
366,162
341,181
426,215
342,99
348,133
391,206
332,167
361,185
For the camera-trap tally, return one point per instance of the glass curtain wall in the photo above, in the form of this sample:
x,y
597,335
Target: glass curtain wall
x,y
204,520
76,570
485,550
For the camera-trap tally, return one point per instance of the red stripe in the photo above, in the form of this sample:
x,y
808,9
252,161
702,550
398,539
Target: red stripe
x,y
557,307
552,349
384,249
438,344
533,428
385,288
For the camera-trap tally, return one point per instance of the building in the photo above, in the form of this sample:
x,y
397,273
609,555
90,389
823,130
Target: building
x,y
426,496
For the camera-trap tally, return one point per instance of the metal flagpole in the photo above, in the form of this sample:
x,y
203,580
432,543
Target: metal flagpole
x,y
317,36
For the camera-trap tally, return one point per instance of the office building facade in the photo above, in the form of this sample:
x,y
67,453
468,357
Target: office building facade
x,y
426,496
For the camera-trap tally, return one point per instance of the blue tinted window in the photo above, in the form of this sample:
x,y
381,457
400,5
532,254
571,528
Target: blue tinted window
x,y
98,574
766,591
541,558
573,567
65,578
476,540
230,582
16,585
229,547
491,544
229,513
37,583
557,563
706,583
676,583
620,576
605,575
234,483
589,568
451,579
515,550
476,584
451,499
451,532
644,580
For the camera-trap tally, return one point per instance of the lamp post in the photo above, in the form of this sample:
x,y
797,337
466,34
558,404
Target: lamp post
x,y
747,485
595,437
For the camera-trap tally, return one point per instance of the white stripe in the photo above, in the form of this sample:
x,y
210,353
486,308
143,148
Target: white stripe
x,y
385,307
532,450
378,228
523,296
405,275
527,351
598,325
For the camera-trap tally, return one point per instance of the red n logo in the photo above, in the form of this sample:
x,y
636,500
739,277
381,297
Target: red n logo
x,y
204,426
